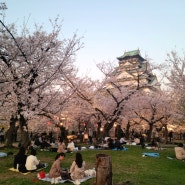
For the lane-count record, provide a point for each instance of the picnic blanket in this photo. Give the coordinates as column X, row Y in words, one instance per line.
column 15, row 170
column 2, row 154
column 90, row 174
column 168, row 157
column 150, row 154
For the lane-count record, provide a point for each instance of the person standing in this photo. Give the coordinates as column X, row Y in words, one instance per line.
column 90, row 133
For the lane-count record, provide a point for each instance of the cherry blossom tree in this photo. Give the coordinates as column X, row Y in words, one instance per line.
column 34, row 72
column 174, row 72
column 155, row 110
column 80, row 105
column 108, row 98
column 117, row 91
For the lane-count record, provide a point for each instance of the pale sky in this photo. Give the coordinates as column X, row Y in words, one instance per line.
column 109, row 27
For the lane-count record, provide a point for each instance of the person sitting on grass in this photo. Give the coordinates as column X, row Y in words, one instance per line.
column 61, row 146
column 57, row 172
column 20, row 160
column 32, row 163
column 118, row 145
column 110, row 143
column 77, row 169
column 123, row 141
column 180, row 152
column 70, row 146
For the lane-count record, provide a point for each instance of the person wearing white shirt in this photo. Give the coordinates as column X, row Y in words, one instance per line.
column 32, row 163
column 122, row 140
column 70, row 146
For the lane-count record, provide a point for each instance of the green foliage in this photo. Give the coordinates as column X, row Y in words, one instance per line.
column 128, row 167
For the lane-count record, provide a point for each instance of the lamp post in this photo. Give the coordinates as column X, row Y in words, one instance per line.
column 62, row 126
column 63, row 123
column 101, row 129
column 115, row 129
column 101, row 132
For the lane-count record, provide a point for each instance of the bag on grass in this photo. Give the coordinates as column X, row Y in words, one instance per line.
column 41, row 175
column 65, row 176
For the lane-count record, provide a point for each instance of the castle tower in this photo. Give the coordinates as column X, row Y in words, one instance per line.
column 134, row 69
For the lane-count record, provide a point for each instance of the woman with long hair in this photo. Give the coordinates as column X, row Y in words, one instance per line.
column 77, row 169
column 20, row 160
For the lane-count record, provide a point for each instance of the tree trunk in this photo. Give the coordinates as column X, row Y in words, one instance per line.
column 103, row 169
column 10, row 132
column 9, row 136
column 127, row 130
column 149, row 136
column 25, row 139
column 166, row 134
column 98, row 135
column 107, row 127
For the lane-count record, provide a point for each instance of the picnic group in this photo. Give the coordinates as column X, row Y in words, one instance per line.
column 26, row 159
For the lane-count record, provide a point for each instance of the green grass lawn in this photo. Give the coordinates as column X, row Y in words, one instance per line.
column 128, row 167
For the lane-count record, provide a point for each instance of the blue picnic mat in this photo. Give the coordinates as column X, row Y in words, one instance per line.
column 150, row 154
column 2, row 154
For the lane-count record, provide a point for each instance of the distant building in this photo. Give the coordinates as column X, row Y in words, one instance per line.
column 134, row 70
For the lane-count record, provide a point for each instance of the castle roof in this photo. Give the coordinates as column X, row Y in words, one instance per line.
column 131, row 54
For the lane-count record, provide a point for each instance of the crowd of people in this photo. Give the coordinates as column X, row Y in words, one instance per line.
column 119, row 143
column 44, row 142
column 26, row 161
